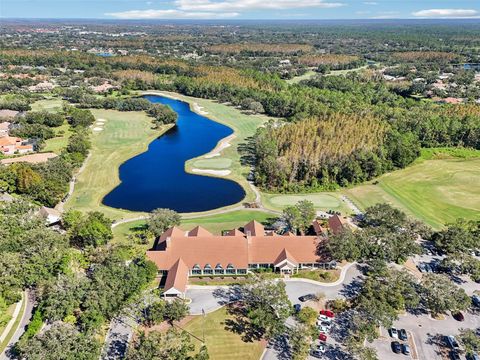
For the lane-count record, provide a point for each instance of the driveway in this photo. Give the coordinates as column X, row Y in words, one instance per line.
column 203, row 298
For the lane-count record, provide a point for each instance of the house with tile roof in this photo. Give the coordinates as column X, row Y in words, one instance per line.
column 179, row 254
column 10, row 145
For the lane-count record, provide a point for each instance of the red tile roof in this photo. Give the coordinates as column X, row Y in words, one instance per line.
column 199, row 231
column 177, row 277
column 337, row 223
column 254, row 228
column 285, row 255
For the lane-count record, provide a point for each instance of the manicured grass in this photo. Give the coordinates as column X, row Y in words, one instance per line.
column 60, row 141
column 14, row 327
column 434, row 191
column 215, row 223
column 325, row 276
column 213, row 163
column 221, row 343
column 322, row 201
column 50, row 105
column 308, row 75
column 9, row 312
column 125, row 135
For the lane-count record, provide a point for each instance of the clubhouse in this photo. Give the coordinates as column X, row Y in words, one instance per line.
column 179, row 254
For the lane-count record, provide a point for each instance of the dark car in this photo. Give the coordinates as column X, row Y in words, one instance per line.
column 454, row 355
column 297, row 307
column 473, row 357
column 405, row 349
column 402, row 335
column 459, row 316
column 307, row 297
column 396, row 347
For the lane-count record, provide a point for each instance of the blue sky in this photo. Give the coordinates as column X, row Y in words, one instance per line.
column 240, row 9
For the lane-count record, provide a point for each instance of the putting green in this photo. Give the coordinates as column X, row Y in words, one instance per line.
column 323, row 201
column 213, row 163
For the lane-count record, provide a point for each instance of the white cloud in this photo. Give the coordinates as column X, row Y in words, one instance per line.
column 248, row 5
column 370, row 3
column 446, row 13
column 171, row 14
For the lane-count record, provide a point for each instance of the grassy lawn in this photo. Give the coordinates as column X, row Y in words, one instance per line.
column 244, row 126
column 221, row 343
column 308, row 75
column 59, row 142
column 9, row 312
column 51, row 105
column 326, row 276
column 213, row 223
column 322, row 201
column 435, row 191
column 14, row 327
column 125, row 135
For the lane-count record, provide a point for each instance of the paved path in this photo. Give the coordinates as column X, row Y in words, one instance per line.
column 351, row 205
column 21, row 326
column 118, row 336
column 71, row 185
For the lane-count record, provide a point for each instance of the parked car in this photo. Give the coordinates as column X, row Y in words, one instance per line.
column 394, row 333
column 405, row 349
column 459, row 316
column 421, row 267
column 452, row 342
column 317, row 354
column 396, row 348
column 402, row 334
column 327, row 313
column 476, row 300
column 319, row 347
column 322, row 337
column 323, row 328
column 428, row 268
column 454, row 355
column 307, row 297
column 324, row 318
column 474, row 356
column 297, row 307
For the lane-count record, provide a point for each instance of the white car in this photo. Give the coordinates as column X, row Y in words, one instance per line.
column 394, row 333
column 322, row 328
column 324, row 318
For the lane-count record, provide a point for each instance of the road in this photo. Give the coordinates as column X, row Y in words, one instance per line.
column 118, row 337
column 27, row 315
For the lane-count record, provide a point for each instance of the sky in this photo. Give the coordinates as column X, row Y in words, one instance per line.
column 241, row 9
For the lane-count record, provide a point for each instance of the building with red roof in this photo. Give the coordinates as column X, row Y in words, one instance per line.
column 179, row 254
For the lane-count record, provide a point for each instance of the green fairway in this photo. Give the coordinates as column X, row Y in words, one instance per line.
column 60, row 141
column 214, row 223
column 50, row 105
column 322, row 201
column 434, row 191
column 307, row 76
column 222, row 344
column 125, row 135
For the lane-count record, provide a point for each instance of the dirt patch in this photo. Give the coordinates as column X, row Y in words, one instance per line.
column 225, row 143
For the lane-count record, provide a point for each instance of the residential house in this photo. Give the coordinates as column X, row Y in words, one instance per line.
column 4, row 128
column 337, row 224
column 50, row 215
column 10, row 145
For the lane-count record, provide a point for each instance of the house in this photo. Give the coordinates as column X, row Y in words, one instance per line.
column 50, row 215
column 4, row 127
column 102, row 88
column 452, row 100
column 337, row 224
column 42, row 87
column 10, row 145
column 179, row 254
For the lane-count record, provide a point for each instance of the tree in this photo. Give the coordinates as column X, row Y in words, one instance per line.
column 155, row 313
column 300, row 216
column 94, row 229
column 175, row 310
column 307, row 316
column 439, row 294
column 299, row 341
column 162, row 219
column 59, row 342
column 267, row 305
column 383, row 215
column 172, row 345
column 471, row 340
column 459, row 238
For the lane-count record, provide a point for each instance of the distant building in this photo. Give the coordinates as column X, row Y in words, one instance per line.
column 50, row 215
column 452, row 100
column 179, row 254
column 4, row 128
column 337, row 224
column 41, row 87
column 10, row 145
column 6, row 114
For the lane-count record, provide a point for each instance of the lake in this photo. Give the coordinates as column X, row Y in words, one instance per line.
column 157, row 177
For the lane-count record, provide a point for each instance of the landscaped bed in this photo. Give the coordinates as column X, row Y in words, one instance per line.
column 326, row 276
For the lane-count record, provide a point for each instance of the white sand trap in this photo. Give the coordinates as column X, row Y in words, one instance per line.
column 97, row 129
column 212, row 172
column 199, row 109
column 225, row 143
column 101, row 120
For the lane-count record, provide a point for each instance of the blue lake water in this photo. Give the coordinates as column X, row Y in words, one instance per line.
column 157, row 177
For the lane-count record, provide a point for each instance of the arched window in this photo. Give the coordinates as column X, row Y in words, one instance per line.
column 230, row 269
column 196, row 267
column 219, row 266
column 230, row 266
column 207, row 266
column 196, row 270
column 207, row 269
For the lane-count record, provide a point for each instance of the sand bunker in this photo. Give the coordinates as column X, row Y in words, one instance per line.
column 199, row 109
column 225, row 143
column 212, row 172
column 97, row 129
